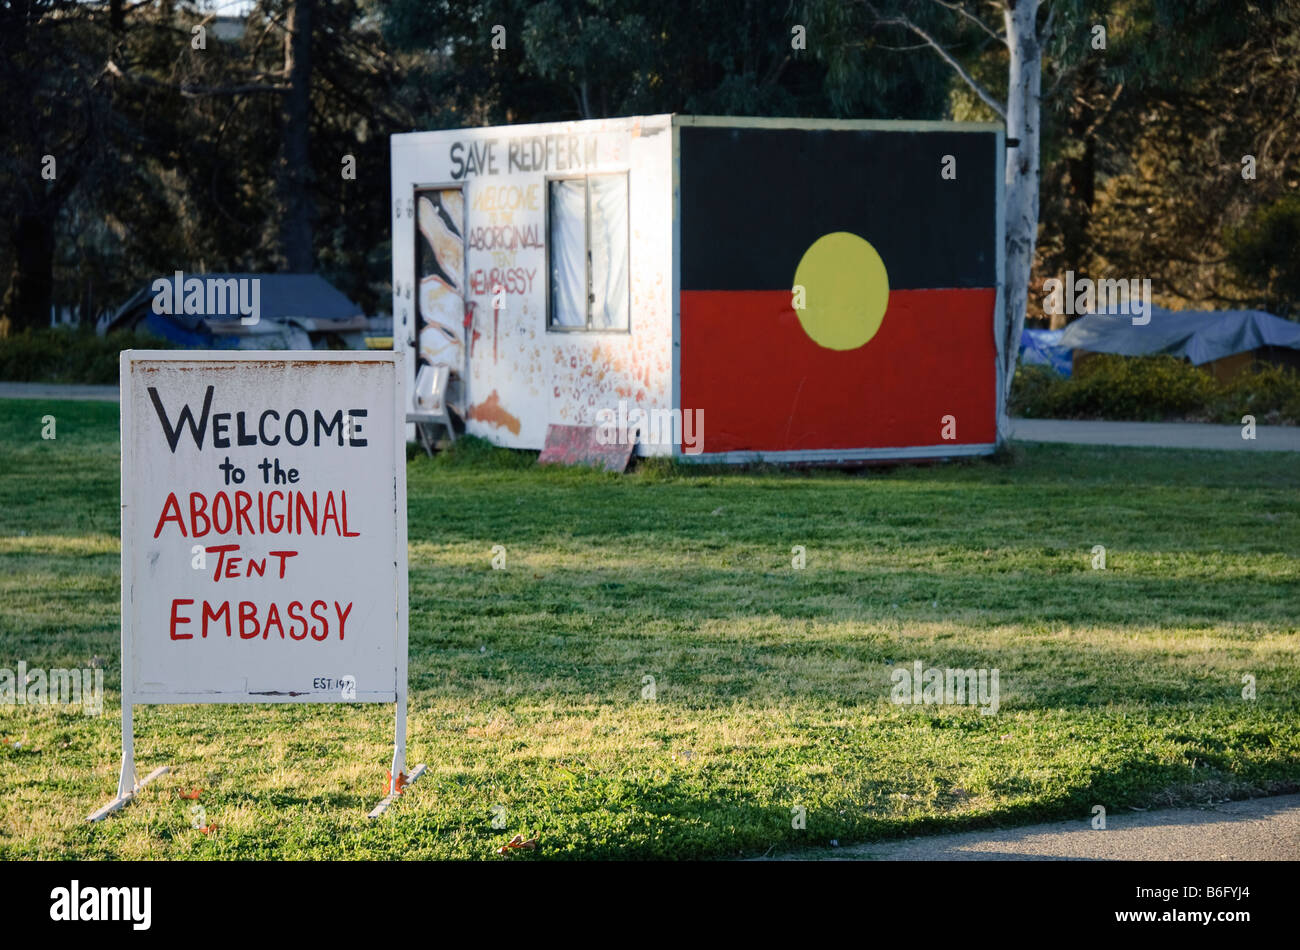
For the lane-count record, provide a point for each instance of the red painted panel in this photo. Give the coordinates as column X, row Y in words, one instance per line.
column 765, row 386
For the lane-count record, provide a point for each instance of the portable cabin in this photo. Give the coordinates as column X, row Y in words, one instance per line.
column 799, row 290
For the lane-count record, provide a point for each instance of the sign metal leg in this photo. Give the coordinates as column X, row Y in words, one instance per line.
column 398, row 779
column 127, row 784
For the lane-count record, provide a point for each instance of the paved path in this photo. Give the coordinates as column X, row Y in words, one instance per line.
column 1181, row 435
column 1258, row 829
column 1175, row 435
column 57, row 391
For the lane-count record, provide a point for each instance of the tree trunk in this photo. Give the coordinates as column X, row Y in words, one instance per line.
column 1023, row 102
column 297, row 209
column 31, row 282
column 584, row 99
column 1078, row 184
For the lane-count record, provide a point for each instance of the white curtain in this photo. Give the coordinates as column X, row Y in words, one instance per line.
column 609, row 253
column 568, row 239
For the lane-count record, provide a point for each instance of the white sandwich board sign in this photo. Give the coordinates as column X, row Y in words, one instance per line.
column 263, row 534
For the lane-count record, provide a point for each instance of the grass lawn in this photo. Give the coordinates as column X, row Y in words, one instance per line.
column 1120, row 687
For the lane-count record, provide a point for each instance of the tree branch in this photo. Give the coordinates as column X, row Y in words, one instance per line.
column 1101, row 117
column 1045, row 35
column 191, row 91
column 948, row 58
column 199, row 92
column 958, row 8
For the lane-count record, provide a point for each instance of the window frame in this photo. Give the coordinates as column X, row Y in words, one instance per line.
column 551, row 326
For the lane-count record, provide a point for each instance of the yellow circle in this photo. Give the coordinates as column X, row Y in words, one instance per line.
column 845, row 291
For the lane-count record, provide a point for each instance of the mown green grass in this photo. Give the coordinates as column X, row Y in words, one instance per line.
column 1119, row 687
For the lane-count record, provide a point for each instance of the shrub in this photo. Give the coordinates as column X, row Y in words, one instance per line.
column 1265, row 391
column 1263, row 253
column 1155, row 388
column 1033, row 391
column 67, row 355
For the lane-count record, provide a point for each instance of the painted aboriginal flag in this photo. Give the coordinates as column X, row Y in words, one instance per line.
column 837, row 289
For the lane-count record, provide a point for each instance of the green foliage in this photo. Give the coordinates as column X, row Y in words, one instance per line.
column 1269, row 393
column 1143, row 143
column 153, row 178
column 1265, row 252
column 878, row 72
column 1034, row 391
column 65, row 355
column 592, row 49
column 1155, row 388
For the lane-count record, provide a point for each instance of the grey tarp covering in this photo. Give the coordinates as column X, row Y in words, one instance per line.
column 1200, row 336
column 282, row 296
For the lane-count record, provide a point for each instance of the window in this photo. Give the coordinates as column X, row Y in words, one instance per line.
column 587, row 253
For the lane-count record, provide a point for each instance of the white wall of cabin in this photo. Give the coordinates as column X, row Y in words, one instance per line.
column 539, row 377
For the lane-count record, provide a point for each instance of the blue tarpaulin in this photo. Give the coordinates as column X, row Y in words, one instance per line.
column 289, row 305
column 1197, row 335
column 1043, row 348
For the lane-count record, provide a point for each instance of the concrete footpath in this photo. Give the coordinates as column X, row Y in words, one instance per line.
column 1257, row 829
column 58, row 391
column 1170, row 435
column 1176, row 435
